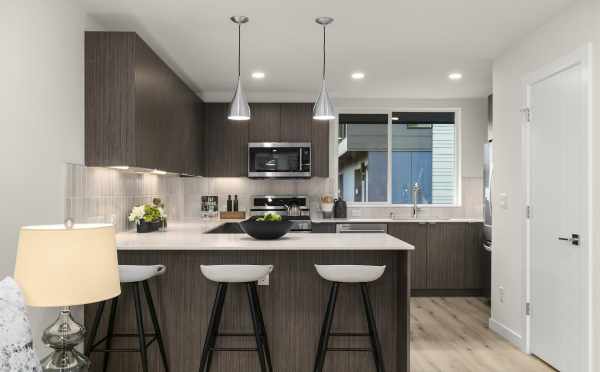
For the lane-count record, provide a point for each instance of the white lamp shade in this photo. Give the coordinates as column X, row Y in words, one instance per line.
column 323, row 109
column 239, row 109
column 57, row 266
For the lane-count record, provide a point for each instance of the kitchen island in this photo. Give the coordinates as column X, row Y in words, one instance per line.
column 293, row 302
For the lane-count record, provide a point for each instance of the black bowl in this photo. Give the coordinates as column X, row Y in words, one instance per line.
column 265, row 230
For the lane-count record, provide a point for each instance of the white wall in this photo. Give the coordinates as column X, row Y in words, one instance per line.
column 570, row 30
column 42, row 119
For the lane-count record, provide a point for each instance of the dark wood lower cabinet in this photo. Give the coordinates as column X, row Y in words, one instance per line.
column 448, row 259
column 415, row 234
column 446, row 256
column 293, row 306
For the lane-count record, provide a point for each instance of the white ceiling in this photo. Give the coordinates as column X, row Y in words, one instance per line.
column 406, row 48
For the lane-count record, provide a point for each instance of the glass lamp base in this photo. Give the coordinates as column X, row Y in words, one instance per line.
column 63, row 336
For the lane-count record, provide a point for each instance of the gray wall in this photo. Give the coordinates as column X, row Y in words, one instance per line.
column 42, row 114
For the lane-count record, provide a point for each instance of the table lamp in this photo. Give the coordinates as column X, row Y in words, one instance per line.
column 63, row 266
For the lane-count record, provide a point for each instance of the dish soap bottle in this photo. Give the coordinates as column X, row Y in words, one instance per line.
column 229, row 204
column 235, row 204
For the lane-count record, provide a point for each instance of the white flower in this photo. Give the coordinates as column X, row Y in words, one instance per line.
column 137, row 213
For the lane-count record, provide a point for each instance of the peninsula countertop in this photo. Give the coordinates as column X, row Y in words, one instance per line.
column 192, row 236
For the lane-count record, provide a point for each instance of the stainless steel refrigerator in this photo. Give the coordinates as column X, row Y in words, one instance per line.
column 488, row 171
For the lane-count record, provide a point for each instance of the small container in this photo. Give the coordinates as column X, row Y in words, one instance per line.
column 229, row 204
column 235, row 204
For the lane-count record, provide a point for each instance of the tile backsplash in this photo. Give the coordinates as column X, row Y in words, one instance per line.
column 107, row 195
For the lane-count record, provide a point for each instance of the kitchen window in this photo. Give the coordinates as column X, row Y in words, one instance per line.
column 381, row 157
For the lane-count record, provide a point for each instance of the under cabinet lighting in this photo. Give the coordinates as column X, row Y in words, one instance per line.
column 358, row 75
column 158, row 172
column 120, row 167
column 455, row 76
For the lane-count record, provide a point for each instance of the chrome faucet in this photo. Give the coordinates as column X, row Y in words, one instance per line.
column 416, row 188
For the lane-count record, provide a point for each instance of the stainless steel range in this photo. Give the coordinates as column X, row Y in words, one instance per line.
column 293, row 208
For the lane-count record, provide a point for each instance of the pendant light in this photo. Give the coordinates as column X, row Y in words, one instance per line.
column 239, row 108
column 323, row 109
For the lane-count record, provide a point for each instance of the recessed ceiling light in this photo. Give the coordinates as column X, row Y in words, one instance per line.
column 455, row 76
column 358, row 75
column 258, row 75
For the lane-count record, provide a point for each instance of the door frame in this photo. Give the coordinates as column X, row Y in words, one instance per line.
column 582, row 57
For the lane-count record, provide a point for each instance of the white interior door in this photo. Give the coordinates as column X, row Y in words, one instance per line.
column 558, row 195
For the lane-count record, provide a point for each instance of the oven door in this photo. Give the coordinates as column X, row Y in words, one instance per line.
column 275, row 159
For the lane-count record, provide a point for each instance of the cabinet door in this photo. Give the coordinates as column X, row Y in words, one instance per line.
column 296, row 122
column 415, row 234
column 265, row 123
column 323, row 228
column 474, row 257
column 320, row 148
column 446, row 256
column 226, row 143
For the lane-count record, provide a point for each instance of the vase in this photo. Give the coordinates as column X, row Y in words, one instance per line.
column 146, row 227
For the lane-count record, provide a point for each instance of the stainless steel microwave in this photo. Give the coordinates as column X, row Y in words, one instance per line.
column 279, row 160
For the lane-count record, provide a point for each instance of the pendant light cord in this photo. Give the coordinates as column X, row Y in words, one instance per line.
column 239, row 50
column 324, row 51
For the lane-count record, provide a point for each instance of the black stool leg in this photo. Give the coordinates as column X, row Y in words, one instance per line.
column 140, row 326
column 263, row 329
column 373, row 335
column 150, row 303
column 94, row 330
column 326, row 329
column 213, row 328
column 256, row 325
column 109, row 332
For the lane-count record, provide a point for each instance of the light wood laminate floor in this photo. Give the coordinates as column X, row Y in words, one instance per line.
column 451, row 335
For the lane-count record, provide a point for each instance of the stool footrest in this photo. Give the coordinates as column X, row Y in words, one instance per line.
column 232, row 349
column 347, row 334
column 349, row 349
column 233, row 334
column 94, row 349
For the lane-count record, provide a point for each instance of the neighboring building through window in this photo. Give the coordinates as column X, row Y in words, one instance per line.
column 423, row 152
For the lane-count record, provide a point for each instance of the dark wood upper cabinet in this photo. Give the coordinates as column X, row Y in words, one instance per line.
column 265, row 123
column 138, row 112
column 320, row 148
column 226, row 150
column 296, row 122
column 226, row 142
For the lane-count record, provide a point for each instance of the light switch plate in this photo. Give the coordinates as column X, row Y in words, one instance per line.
column 264, row 281
column 503, row 200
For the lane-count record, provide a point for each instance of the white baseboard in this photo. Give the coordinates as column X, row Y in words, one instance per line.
column 507, row 333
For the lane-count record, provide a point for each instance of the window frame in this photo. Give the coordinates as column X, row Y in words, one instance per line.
column 388, row 203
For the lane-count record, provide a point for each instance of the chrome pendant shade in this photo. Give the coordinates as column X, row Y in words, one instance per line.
column 239, row 109
column 324, row 109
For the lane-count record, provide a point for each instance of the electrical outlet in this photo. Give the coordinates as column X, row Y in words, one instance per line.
column 501, row 293
column 503, row 200
column 356, row 213
column 264, row 281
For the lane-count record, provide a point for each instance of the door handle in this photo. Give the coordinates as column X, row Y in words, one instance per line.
column 574, row 239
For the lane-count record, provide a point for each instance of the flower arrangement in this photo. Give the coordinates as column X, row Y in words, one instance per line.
column 148, row 213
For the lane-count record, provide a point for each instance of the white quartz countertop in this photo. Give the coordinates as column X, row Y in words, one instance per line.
column 192, row 236
column 392, row 220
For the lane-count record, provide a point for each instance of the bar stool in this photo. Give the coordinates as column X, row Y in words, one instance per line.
column 131, row 276
column 354, row 274
column 247, row 275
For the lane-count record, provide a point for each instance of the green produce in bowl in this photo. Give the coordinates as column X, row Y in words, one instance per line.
column 269, row 217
